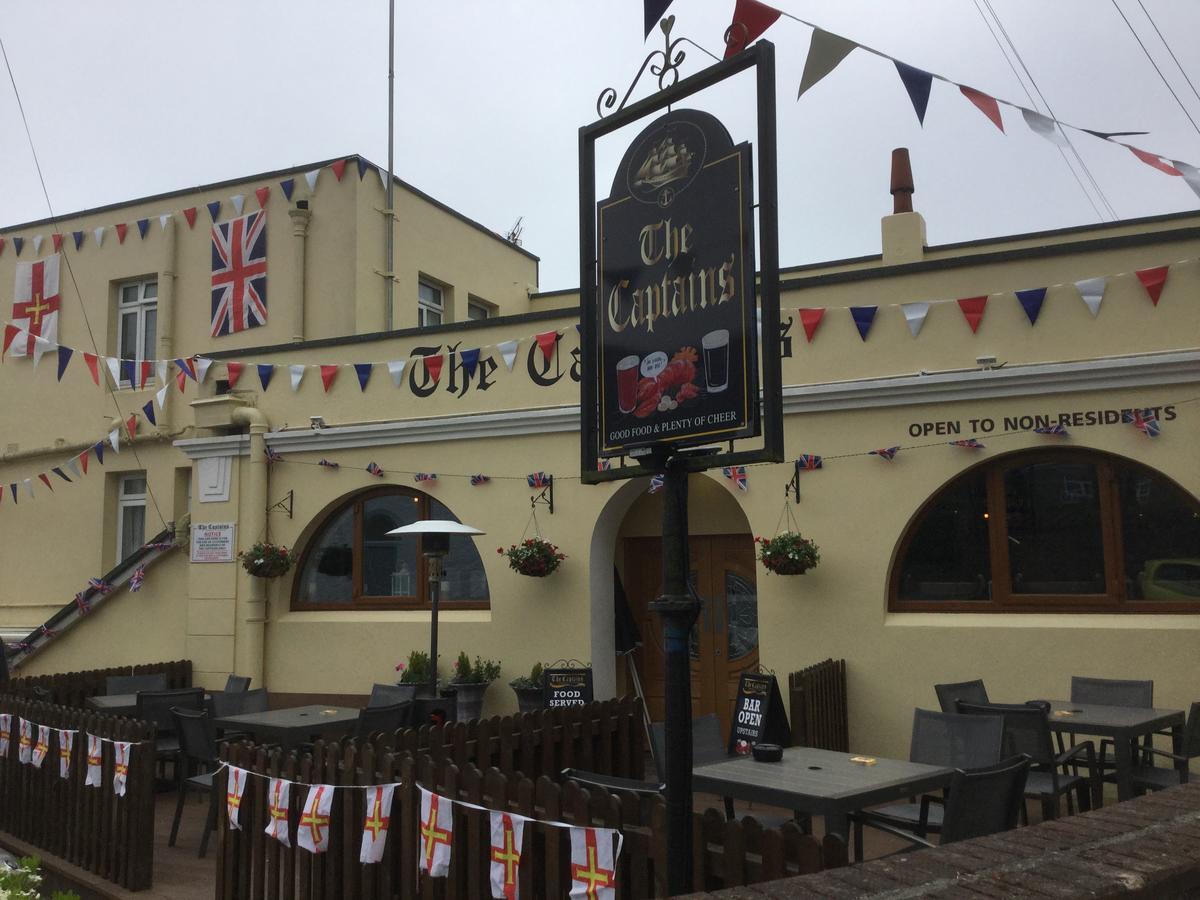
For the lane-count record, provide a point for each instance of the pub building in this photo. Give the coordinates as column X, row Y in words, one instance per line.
column 1018, row 556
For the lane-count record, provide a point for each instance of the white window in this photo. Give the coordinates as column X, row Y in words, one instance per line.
column 137, row 326
column 478, row 310
column 429, row 304
column 131, row 514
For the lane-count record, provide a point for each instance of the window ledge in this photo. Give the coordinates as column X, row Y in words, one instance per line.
column 382, row 616
column 1045, row 621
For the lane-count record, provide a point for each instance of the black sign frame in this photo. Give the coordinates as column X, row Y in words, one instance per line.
column 761, row 57
column 761, row 690
column 567, row 677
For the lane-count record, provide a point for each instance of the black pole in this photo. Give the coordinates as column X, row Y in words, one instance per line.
column 434, row 563
column 678, row 610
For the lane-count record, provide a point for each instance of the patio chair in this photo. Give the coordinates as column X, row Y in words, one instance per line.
column 1027, row 731
column 236, row 684
column 156, row 706
column 1115, row 692
column 236, row 704
column 198, row 758
column 970, row 691
column 939, row 739
column 1146, row 777
column 133, row 684
column 388, row 694
column 978, row 802
column 386, row 719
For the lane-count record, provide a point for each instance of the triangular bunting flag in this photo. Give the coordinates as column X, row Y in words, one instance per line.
column 10, row 333
column 1155, row 162
column 114, row 369
column 190, row 215
column 37, row 244
column 143, row 225
column 363, row 165
column 45, row 479
column 914, row 315
column 98, row 234
column 181, row 379
column 328, row 373
column 1044, row 127
column 56, row 239
column 145, row 367
column 114, row 438
column 986, row 104
column 863, row 317
column 160, row 397
column 148, row 412
column 297, row 373
column 1091, row 291
column 129, row 372
column 233, row 372
column 885, row 453
column 811, row 320
column 64, row 358
column 186, row 367
column 77, row 236
column 287, row 186
column 73, row 464
column 91, row 361
column 160, row 370
column 41, row 346
column 469, row 360
column 433, row 365
column 311, row 178
column 202, row 365
column 339, row 168
column 131, row 424
column 972, row 309
column 98, row 447
column 825, row 51
column 508, row 352
column 396, row 370
column 122, row 228
column 653, row 10
column 363, row 371
column 1, row 253
column 917, row 83
column 750, row 20
column 238, row 201
column 214, row 209
column 1190, row 174
column 19, row 243
column 261, row 194
column 163, row 220
column 1031, row 301
column 265, row 371
column 1153, row 280
column 546, row 341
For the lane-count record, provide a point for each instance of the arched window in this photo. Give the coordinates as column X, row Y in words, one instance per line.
column 352, row 563
column 1050, row 531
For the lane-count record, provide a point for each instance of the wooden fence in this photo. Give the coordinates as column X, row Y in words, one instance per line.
column 252, row 865
column 820, row 717
column 73, row 688
column 91, row 827
column 605, row 736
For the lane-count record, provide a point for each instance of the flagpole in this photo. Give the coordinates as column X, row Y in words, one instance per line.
column 389, row 214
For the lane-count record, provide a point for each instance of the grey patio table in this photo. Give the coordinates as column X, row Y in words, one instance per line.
column 289, row 727
column 819, row 782
column 120, row 704
column 1124, row 724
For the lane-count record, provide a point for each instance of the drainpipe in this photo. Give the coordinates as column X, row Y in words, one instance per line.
column 250, row 614
column 300, row 216
column 166, row 316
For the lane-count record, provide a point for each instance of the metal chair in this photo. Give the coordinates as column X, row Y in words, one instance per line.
column 978, row 802
column 236, row 704
column 1112, row 692
column 1027, row 731
column 134, row 684
column 388, row 694
column 236, row 684
column 386, row 719
column 1146, row 777
column 939, row 739
column 970, row 691
column 156, row 707
column 198, row 758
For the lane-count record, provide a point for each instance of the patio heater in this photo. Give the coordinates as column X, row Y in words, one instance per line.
column 435, row 544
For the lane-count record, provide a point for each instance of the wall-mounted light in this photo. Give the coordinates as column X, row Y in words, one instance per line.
column 316, row 423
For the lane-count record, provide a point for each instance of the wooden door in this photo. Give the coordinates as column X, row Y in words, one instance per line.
column 724, row 641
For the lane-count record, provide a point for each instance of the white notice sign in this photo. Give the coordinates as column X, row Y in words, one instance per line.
column 212, row 542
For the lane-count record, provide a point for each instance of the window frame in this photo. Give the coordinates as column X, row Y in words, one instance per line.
column 131, row 501
column 478, row 303
column 359, row 601
column 424, row 306
column 137, row 308
column 1114, row 600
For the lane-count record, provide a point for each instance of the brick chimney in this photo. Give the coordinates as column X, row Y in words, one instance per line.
column 903, row 230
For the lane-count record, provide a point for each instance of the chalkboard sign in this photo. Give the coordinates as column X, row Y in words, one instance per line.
column 758, row 715
column 566, row 687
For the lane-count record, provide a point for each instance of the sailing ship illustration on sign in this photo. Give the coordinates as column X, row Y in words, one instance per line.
column 666, row 163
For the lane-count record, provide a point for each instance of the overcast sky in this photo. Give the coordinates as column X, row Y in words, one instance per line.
column 129, row 98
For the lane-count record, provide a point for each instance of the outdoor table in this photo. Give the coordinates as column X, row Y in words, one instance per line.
column 1124, row 724
column 820, row 782
column 290, row 727
column 120, row 704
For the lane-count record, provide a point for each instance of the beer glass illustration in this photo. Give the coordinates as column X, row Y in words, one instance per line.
column 627, row 380
column 715, row 345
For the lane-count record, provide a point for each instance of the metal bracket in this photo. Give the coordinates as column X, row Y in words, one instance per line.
column 667, row 70
column 390, row 275
column 545, row 496
column 285, row 504
column 793, row 485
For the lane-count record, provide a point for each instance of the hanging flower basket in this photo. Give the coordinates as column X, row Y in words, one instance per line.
column 534, row 556
column 266, row 560
column 788, row 553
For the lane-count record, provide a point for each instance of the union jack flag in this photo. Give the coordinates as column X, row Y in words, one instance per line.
column 136, row 579
column 273, row 455
column 1146, row 421
column 1055, row 430
column 969, row 443
column 82, row 604
column 737, row 474
column 99, row 585
column 538, row 479
column 809, row 461
column 887, row 453
column 656, row 484
column 47, row 632
column 239, row 274
column 374, row 469
column 604, row 465
column 424, row 476
column 477, row 480
column 327, row 464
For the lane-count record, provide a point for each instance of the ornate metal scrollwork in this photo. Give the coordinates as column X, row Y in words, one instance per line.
column 667, row 70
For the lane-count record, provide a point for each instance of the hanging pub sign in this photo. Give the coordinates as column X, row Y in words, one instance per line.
column 758, row 715
column 566, row 687
column 670, row 333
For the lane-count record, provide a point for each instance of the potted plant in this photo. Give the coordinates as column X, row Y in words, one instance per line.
column 414, row 674
column 788, row 553
column 469, row 683
column 266, row 560
column 528, row 689
column 534, row 556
